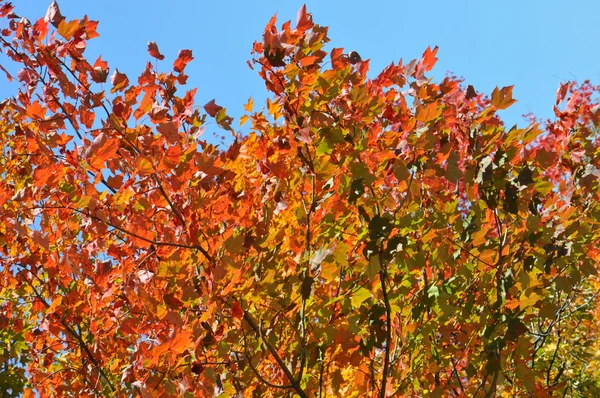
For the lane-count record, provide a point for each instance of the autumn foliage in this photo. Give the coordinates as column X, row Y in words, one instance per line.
column 384, row 236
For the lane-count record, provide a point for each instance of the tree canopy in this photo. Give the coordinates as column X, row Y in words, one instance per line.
column 386, row 236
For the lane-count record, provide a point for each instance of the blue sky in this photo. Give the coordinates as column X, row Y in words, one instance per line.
column 532, row 44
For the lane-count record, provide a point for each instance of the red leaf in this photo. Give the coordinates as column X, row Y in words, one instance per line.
column 119, row 109
column 309, row 60
column 304, row 19
column 153, row 50
column 158, row 114
column 172, row 301
column 211, row 108
column 574, row 102
column 337, row 60
column 90, row 28
column 184, row 57
column 5, row 9
column 561, row 92
column 236, row 310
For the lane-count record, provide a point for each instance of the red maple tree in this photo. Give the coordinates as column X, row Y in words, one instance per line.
column 369, row 237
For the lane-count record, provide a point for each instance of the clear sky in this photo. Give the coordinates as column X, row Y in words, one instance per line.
column 533, row 44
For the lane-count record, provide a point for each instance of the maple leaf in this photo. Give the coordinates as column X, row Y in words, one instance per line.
column 470, row 92
column 236, row 310
column 154, row 52
column 53, row 14
column 102, row 149
column 119, row 81
column 169, row 130
column 561, row 92
column 184, row 57
column 5, row 9
column 211, row 108
column 304, row 19
column 28, row 76
column 502, row 99
column 68, row 29
column 100, row 71
column 429, row 58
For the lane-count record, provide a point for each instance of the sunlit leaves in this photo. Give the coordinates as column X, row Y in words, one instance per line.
column 364, row 231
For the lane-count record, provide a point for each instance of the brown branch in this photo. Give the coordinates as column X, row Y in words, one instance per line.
column 321, row 371
column 307, row 274
column 388, row 332
column 256, row 372
column 295, row 385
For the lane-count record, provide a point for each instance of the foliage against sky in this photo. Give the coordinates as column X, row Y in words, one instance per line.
column 369, row 237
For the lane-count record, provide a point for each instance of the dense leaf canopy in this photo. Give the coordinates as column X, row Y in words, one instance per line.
column 384, row 236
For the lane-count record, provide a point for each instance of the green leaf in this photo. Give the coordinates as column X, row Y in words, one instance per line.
column 360, row 296
column 324, row 148
column 544, row 187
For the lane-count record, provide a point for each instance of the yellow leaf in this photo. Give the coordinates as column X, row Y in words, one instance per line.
column 249, row 105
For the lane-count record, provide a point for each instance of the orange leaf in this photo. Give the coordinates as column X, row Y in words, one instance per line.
column 184, row 57
column 68, row 29
column 304, row 19
column 429, row 58
column 119, row 81
column 306, row 61
column 102, row 149
column 502, row 99
column 428, row 112
column 169, row 130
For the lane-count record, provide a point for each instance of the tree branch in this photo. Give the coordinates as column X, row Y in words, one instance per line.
column 295, row 385
column 388, row 332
